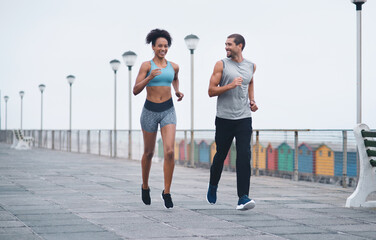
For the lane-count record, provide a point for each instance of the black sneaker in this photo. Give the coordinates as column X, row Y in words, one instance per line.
column 211, row 196
column 167, row 200
column 145, row 194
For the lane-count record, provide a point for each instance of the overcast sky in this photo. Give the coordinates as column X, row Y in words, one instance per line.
column 305, row 52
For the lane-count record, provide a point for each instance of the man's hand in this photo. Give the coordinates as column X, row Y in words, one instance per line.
column 253, row 106
column 236, row 82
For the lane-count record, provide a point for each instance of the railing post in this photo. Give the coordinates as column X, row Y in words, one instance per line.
column 40, row 139
column 192, row 149
column 60, row 140
column 110, row 139
column 33, row 135
column 78, row 141
column 53, row 139
column 257, row 173
column 130, row 144
column 296, row 157
column 70, row 140
column 344, row 167
column 185, row 147
column 44, row 138
column 115, row 143
column 99, row 142
column 88, row 142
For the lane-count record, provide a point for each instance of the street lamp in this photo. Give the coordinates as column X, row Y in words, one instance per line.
column 115, row 64
column 22, row 93
column 6, row 98
column 129, row 60
column 192, row 41
column 70, row 79
column 358, row 4
column 41, row 88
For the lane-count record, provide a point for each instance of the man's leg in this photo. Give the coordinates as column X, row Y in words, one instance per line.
column 243, row 155
column 223, row 139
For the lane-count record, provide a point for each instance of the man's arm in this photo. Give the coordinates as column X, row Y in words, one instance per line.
column 214, row 89
column 251, row 93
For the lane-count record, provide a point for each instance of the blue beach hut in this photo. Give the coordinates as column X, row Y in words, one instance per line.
column 204, row 152
column 305, row 156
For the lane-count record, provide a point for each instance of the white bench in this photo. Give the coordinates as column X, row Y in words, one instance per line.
column 366, row 142
column 20, row 141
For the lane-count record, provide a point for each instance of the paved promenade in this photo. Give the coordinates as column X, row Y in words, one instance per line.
column 48, row 194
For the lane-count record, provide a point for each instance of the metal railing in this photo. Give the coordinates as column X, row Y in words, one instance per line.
column 327, row 156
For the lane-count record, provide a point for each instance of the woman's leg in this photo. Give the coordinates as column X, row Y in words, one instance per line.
column 149, row 145
column 168, row 138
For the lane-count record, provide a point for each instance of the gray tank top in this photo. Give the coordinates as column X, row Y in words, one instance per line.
column 234, row 103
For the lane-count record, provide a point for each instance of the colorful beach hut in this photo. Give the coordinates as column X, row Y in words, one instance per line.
column 324, row 160
column 305, row 156
column 351, row 161
column 285, row 158
column 261, row 151
column 272, row 157
column 204, row 152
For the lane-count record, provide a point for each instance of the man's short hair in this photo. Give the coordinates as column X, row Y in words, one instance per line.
column 238, row 39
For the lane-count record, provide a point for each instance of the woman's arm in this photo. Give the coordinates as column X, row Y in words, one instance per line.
column 142, row 80
column 175, row 82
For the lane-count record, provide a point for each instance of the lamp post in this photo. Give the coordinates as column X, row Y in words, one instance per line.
column 358, row 4
column 41, row 88
column 22, row 93
column 129, row 60
column 6, row 98
column 192, row 41
column 115, row 64
column 70, row 79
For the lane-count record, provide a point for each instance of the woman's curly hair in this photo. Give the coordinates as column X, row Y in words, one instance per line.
column 157, row 33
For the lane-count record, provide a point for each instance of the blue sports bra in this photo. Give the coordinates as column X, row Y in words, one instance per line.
column 163, row 79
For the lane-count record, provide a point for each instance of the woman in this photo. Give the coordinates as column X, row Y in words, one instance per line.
column 157, row 76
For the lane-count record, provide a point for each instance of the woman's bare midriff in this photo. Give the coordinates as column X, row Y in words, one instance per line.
column 158, row 94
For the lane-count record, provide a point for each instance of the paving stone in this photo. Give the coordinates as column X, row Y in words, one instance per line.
column 364, row 234
column 353, row 228
column 291, row 230
column 5, row 224
column 326, row 236
column 19, row 236
column 81, row 236
column 76, row 228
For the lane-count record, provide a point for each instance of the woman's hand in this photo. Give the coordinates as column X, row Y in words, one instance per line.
column 155, row 72
column 180, row 95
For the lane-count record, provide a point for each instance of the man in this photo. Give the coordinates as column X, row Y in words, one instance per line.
column 232, row 82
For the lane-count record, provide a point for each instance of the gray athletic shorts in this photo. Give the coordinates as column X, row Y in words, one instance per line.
column 157, row 113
